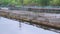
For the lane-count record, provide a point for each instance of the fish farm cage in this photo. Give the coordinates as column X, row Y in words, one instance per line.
column 38, row 6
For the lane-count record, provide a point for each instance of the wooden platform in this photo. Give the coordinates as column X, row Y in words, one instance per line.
column 31, row 17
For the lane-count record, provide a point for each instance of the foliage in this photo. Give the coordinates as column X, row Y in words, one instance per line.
column 30, row 2
column 55, row 2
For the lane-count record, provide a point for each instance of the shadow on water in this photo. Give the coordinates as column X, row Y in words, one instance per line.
column 41, row 26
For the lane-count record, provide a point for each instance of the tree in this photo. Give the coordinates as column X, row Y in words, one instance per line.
column 10, row 2
column 55, row 2
column 44, row 2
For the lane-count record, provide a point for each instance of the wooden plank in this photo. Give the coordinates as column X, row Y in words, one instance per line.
column 30, row 17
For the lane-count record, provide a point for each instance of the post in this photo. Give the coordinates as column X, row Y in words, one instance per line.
column 20, row 25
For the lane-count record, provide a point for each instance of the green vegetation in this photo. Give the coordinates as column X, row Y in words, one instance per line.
column 30, row 2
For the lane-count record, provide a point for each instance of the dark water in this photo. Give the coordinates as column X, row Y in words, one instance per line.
column 8, row 26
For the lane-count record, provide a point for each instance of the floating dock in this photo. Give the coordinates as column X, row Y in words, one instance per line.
column 46, row 19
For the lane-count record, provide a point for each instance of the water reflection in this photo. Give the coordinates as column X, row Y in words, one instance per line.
column 8, row 26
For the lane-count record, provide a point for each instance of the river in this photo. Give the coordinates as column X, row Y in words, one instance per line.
column 8, row 26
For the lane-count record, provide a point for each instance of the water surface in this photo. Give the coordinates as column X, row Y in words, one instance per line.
column 8, row 26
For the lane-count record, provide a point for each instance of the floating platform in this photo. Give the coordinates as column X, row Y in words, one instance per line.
column 46, row 19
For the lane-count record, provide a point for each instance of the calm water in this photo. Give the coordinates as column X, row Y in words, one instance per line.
column 8, row 26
